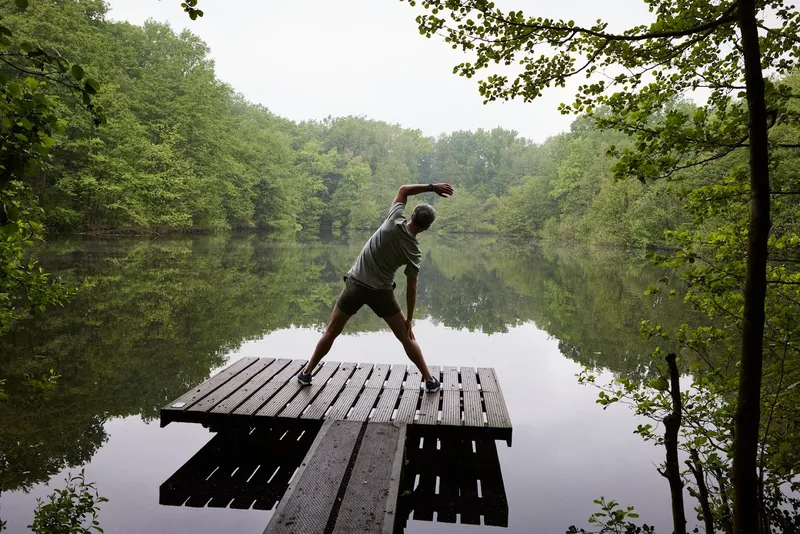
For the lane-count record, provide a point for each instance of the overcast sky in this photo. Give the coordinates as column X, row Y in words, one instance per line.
column 308, row 59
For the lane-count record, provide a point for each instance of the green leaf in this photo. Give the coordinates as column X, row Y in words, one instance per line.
column 92, row 86
column 15, row 90
column 77, row 72
column 26, row 47
column 659, row 383
column 22, row 4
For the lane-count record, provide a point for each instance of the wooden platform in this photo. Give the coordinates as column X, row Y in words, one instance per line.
column 255, row 391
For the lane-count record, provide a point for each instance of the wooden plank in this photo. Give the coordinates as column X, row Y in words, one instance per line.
column 312, row 495
column 293, row 388
column 473, row 410
column 450, row 378
column 413, row 379
column 230, row 387
column 266, row 392
column 348, row 396
column 407, row 409
column 488, row 379
column 241, row 394
column 469, row 381
column 378, row 376
column 330, row 392
column 188, row 399
column 429, row 404
column 390, row 515
column 307, row 394
column 429, row 408
column 386, row 405
column 496, row 412
column 364, row 405
column 365, row 502
column 451, row 407
column 366, row 401
column 396, row 377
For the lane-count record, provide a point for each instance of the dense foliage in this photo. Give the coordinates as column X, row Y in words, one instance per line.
column 740, row 253
column 181, row 150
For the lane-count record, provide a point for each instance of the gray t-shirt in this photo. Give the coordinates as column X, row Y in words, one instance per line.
column 391, row 246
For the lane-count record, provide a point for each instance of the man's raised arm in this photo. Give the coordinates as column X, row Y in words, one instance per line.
column 405, row 191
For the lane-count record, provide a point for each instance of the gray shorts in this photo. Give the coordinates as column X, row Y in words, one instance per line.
column 355, row 295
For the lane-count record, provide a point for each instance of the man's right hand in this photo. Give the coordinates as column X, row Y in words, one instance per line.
column 443, row 190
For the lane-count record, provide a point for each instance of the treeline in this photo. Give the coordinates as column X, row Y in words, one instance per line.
column 182, row 150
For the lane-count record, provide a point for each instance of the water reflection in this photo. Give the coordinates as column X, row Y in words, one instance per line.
column 243, row 469
column 455, row 478
column 446, row 478
column 161, row 314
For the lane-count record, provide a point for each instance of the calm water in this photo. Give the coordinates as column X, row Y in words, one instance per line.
column 161, row 315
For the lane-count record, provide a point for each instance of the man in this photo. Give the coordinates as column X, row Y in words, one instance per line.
column 370, row 280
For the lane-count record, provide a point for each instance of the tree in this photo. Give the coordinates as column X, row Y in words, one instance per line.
column 690, row 45
column 29, row 121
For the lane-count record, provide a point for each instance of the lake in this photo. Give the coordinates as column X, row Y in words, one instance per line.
column 160, row 315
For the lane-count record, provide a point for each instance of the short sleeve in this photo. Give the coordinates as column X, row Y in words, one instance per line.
column 397, row 212
column 412, row 267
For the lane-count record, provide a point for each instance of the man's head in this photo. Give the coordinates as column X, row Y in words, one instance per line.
column 423, row 216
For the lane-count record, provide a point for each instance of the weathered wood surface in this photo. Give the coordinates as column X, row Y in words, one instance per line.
column 254, row 390
column 348, row 483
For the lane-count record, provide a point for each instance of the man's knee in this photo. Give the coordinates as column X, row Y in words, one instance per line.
column 332, row 332
column 401, row 337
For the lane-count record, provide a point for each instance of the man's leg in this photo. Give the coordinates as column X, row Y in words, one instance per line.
column 334, row 328
column 397, row 323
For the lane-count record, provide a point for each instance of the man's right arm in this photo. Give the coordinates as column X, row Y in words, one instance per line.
column 405, row 191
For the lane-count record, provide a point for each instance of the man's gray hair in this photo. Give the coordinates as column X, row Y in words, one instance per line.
column 423, row 216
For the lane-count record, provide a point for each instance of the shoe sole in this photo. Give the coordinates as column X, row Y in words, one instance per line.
column 432, row 390
column 303, row 383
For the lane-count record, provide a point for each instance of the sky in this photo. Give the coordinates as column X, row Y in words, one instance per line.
column 310, row 59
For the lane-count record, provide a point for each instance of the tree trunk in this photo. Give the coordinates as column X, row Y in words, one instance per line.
column 748, row 408
column 727, row 524
column 702, row 490
column 672, row 472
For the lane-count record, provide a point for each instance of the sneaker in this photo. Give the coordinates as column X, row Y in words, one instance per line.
column 304, row 378
column 432, row 386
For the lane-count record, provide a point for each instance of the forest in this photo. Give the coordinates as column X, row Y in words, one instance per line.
column 181, row 150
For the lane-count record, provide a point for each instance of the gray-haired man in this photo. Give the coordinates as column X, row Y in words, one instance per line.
column 370, row 280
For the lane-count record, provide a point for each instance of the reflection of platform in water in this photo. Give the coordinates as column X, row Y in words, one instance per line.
column 458, row 479
column 240, row 470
